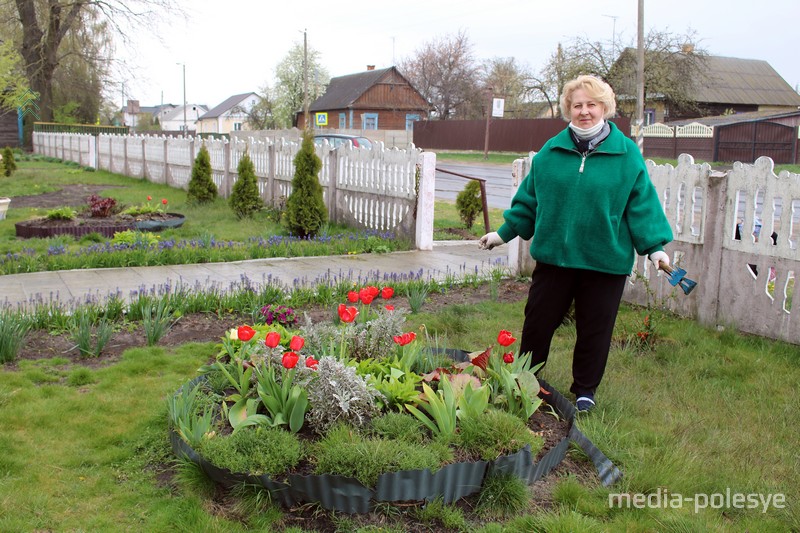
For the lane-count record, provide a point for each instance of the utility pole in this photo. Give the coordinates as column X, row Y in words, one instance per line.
column 305, row 80
column 185, row 128
column 640, row 80
column 490, row 96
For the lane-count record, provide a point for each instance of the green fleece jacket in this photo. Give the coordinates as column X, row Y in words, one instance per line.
column 591, row 212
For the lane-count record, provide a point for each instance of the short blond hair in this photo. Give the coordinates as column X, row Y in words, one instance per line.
column 596, row 88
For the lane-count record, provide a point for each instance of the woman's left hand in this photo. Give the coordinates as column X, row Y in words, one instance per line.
column 658, row 258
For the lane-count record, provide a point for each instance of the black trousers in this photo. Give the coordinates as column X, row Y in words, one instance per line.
column 596, row 295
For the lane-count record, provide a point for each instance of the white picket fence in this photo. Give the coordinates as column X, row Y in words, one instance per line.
column 374, row 189
column 746, row 283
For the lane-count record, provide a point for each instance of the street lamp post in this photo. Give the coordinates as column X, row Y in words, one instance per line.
column 185, row 127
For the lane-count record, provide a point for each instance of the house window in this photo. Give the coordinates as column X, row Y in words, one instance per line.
column 237, row 126
column 649, row 116
column 342, row 121
column 370, row 121
column 410, row 120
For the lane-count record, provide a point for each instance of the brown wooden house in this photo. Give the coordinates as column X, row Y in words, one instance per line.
column 381, row 99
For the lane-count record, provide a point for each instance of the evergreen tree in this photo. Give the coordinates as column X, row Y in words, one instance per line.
column 245, row 200
column 202, row 188
column 305, row 207
column 8, row 163
column 469, row 203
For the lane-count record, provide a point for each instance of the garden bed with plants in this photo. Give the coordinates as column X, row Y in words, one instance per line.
column 355, row 412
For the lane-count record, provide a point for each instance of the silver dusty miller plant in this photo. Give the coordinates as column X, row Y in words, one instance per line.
column 364, row 340
column 337, row 393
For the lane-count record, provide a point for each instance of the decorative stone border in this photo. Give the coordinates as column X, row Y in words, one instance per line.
column 451, row 482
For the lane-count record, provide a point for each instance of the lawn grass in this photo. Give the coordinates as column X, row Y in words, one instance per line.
column 704, row 412
column 447, row 217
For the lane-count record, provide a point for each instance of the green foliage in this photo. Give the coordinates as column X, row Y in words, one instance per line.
column 245, row 200
column 184, row 417
column 305, row 208
column 135, row 239
column 202, row 188
column 80, row 376
column 89, row 338
column 400, row 426
column 502, row 495
column 469, row 203
column 8, row 165
column 156, row 320
column 286, row 402
column 13, row 328
column 440, row 409
column 61, row 213
column 258, row 451
column 417, row 294
column 496, row 433
column 343, row 451
column 450, row 516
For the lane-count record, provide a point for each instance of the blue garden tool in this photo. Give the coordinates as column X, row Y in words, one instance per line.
column 677, row 276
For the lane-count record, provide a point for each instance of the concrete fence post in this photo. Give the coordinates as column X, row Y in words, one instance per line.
column 520, row 261
column 426, row 162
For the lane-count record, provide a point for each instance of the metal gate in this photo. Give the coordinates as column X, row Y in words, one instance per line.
column 748, row 141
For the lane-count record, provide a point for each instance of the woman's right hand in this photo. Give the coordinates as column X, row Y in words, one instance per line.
column 490, row 240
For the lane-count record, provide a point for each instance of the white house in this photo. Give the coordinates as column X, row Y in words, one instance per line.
column 175, row 120
column 230, row 115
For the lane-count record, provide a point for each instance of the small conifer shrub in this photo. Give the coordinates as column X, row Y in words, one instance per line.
column 202, row 188
column 305, row 208
column 245, row 200
column 468, row 203
column 8, row 163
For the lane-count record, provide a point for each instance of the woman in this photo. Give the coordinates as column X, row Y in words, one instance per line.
column 588, row 205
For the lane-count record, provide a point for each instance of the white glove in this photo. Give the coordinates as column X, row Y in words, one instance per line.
column 659, row 257
column 490, row 240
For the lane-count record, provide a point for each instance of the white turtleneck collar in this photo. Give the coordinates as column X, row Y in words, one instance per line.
column 588, row 133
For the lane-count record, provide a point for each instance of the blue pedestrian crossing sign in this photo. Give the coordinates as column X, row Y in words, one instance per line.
column 321, row 119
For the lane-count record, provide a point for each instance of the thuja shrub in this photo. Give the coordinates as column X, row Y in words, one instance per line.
column 8, row 163
column 305, row 208
column 202, row 188
column 245, row 200
column 469, row 204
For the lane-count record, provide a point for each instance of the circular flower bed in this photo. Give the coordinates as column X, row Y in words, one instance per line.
column 359, row 411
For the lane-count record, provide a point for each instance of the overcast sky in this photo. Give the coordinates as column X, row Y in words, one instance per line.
column 233, row 46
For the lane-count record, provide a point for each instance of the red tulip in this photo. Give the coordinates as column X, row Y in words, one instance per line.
column 273, row 339
column 149, row 198
column 508, row 358
column 311, row 362
column 366, row 295
column 505, row 338
column 352, row 297
column 347, row 314
column 296, row 343
column 387, row 292
column 372, row 290
column 290, row 359
column 164, row 201
column 389, row 307
column 405, row 338
column 245, row 333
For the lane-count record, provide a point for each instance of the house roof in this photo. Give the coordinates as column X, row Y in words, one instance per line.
column 720, row 120
column 343, row 91
column 176, row 113
column 227, row 105
column 732, row 80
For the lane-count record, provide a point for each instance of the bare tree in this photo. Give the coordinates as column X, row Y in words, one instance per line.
column 261, row 115
column 445, row 73
column 671, row 68
column 45, row 24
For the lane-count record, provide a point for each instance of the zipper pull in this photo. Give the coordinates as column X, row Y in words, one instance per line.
column 583, row 160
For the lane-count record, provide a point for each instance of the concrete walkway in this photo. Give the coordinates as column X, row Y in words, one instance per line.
column 447, row 260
